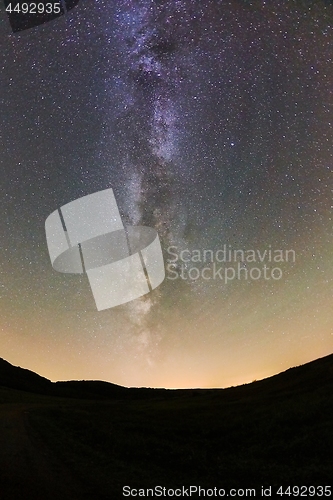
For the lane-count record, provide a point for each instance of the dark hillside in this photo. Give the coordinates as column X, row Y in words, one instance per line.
column 56, row 443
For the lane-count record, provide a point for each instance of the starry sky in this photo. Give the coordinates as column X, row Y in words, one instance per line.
column 212, row 122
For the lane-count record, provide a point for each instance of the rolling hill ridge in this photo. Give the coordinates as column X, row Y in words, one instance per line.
column 88, row 439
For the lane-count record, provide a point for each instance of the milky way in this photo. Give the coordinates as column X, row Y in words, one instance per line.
column 149, row 127
column 153, row 50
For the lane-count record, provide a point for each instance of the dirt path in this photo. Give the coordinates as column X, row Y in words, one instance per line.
column 28, row 469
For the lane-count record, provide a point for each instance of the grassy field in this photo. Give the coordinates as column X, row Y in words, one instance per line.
column 270, row 433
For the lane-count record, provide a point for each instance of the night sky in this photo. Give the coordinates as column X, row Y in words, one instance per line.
column 212, row 122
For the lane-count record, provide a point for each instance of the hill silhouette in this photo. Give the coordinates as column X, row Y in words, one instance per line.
column 304, row 378
column 88, row 439
column 15, row 377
